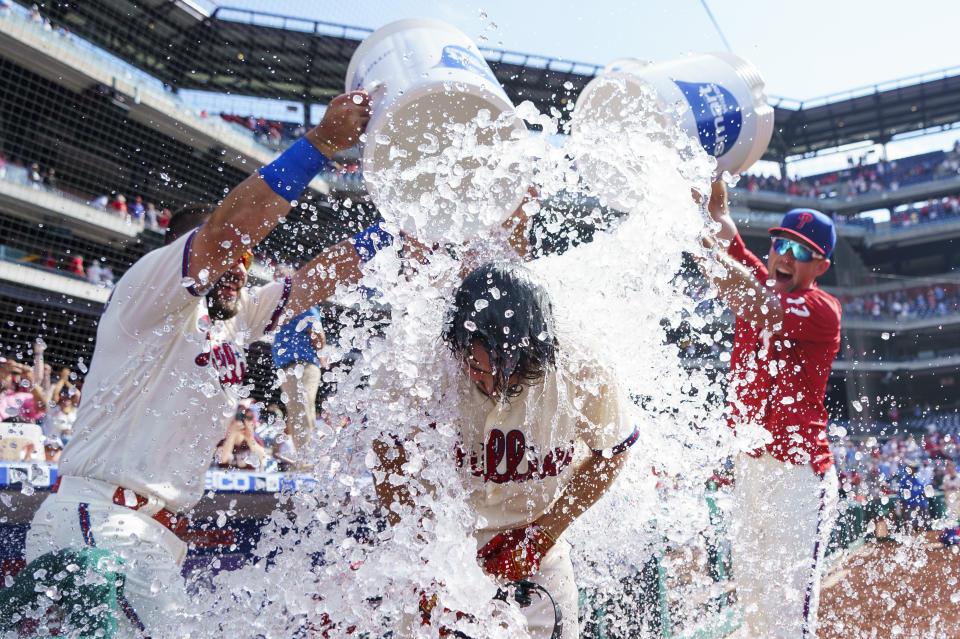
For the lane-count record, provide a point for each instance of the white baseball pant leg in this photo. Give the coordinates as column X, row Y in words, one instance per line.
column 301, row 403
column 782, row 519
column 556, row 576
column 82, row 514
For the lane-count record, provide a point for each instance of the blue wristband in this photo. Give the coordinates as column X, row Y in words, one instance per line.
column 371, row 240
column 290, row 173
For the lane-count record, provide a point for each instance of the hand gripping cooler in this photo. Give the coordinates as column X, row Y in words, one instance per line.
column 428, row 83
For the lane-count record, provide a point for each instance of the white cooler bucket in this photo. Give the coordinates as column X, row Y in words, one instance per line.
column 721, row 102
column 434, row 100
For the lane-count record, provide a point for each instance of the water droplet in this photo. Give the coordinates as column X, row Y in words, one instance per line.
column 358, row 99
column 81, row 365
column 481, row 304
column 508, row 312
column 470, row 326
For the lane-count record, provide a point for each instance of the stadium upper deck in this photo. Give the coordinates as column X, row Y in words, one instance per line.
column 276, row 56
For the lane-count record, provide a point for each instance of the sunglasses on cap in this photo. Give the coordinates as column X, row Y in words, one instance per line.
column 800, row 252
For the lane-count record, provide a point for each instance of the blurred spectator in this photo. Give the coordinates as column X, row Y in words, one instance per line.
column 99, row 273
column 918, row 302
column 285, row 452
column 913, row 498
column 20, row 398
column 106, row 275
column 152, row 216
column 951, row 492
column 241, row 448
column 101, row 202
column 76, row 266
column 36, row 179
column 62, row 413
column 94, row 272
column 52, row 447
column 136, row 209
column 118, row 205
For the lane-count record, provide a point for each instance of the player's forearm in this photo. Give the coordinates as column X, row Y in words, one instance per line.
column 319, row 278
column 592, row 479
column 742, row 292
column 248, row 213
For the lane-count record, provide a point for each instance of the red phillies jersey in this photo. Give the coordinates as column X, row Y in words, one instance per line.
column 779, row 379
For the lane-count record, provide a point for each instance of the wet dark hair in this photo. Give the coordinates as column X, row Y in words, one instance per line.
column 186, row 219
column 508, row 312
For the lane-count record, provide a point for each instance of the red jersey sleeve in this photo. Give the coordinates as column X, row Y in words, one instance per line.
column 739, row 251
column 810, row 315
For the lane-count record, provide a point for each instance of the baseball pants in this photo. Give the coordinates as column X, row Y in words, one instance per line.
column 301, row 402
column 782, row 518
column 82, row 513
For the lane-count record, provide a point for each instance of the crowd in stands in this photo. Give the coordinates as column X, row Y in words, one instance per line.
column 269, row 132
column 34, row 394
column 861, row 177
column 905, row 471
column 933, row 300
column 932, row 210
column 44, row 178
column 257, row 438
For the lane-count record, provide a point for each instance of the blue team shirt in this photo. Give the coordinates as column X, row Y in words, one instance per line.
column 291, row 345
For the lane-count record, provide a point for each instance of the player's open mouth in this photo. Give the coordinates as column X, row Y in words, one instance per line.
column 783, row 277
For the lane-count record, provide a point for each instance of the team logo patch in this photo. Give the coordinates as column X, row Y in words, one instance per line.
column 717, row 112
column 797, row 306
column 804, row 219
column 507, row 458
column 457, row 57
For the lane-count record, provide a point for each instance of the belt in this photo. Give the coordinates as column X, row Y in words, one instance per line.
column 129, row 499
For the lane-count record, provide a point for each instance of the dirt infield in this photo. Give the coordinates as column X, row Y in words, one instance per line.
column 893, row 590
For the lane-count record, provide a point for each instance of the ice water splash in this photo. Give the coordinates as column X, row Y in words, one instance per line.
column 327, row 561
column 448, row 179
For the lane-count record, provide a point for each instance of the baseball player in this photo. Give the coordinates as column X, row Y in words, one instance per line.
column 525, row 401
column 295, row 347
column 169, row 365
column 785, row 494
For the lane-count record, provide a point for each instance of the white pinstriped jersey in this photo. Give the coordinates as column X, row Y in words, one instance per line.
column 518, row 454
column 163, row 379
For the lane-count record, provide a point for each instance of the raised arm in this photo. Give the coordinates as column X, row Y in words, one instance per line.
column 254, row 207
column 739, row 288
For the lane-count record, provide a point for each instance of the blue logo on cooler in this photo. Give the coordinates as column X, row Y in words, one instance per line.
column 718, row 115
column 457, row 57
